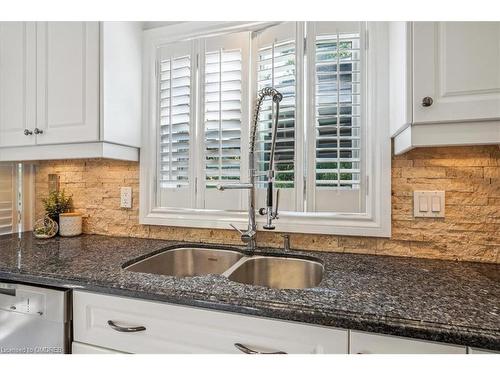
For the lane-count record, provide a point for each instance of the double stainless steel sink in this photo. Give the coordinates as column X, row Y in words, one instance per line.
column 271, row 271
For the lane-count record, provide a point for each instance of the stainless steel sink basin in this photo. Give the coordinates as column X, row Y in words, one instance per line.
column 187, row 261
column 278, row 272
column 270, row 271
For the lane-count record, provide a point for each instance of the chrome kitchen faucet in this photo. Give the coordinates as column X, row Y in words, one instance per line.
column 271, row 209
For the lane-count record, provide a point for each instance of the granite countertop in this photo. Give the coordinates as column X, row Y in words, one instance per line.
column 453, row 302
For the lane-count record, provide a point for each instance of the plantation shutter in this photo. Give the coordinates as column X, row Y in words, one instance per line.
column 224, row 89
column 336, row 119
column 7, row 199
column 276, row 66
column 176, row 73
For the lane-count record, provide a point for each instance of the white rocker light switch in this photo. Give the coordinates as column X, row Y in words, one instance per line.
column 428, row 204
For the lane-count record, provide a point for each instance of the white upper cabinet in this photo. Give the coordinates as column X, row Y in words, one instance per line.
column 67, row 82
column 17, row 83
column 457, row 64
column 445, row 83
column 71, row 89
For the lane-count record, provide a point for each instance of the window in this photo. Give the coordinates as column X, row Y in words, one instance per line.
column 332, row 150
column 175, row 77
column 276, row 66
column 337, row 120
column 16, row 190
column 7, row 199
column 224, row 119
column 175, row 82
column 337, row 111
column 201, row 118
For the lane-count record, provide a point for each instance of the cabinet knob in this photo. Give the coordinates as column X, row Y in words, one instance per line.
column 427, row 101
column 38, row 131
column 27, row 132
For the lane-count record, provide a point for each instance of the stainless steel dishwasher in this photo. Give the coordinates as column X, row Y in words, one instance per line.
column 34, row 319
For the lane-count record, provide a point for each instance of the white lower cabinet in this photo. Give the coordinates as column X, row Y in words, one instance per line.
column 166, row 328
column 111, row 324
column 79, row 348
column 481, row 351
column 369, row 343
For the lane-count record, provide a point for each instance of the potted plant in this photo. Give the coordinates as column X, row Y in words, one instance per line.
column 57, row 203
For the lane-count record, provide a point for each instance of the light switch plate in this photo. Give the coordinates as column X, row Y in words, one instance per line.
column 428, row 203
column 126, row 197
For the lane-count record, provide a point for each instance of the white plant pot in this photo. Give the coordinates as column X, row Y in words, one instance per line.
column 70, row 224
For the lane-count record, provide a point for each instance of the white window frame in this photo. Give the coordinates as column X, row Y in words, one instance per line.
column 23, row 195
column 376, row 221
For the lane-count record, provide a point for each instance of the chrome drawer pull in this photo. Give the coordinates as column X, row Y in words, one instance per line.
column 125, row 329
column 246, row 350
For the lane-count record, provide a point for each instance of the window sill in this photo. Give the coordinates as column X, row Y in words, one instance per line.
column 331, row 224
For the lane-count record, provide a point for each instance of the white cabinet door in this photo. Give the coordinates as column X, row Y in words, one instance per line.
column 368, row 343
column 457, row 64
column 68, row 82
column 17, row 83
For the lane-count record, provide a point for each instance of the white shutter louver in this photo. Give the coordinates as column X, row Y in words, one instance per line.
column 335, row 119
column 223, row 100
column 223, row 112
column 276, row 67
column 337, row 110
column 174, row 108
column 7, row 199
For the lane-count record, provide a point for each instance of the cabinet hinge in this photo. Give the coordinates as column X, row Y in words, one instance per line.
column 305, row 44
column 367, row 39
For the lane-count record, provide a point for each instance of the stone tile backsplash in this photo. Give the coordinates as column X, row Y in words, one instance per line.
column 470, row 231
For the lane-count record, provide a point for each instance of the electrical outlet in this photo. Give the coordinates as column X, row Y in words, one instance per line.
column 126, row 197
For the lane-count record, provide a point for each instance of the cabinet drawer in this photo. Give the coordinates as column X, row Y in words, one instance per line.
column 481, row 351
column 368, row 343
column 177, row 329
column 79, row 348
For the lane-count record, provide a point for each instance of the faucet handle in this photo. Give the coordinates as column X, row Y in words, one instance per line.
column 286, row 242
column 236, row 229
column 246, row 237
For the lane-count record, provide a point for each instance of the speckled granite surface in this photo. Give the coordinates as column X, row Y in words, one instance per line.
column 453, row 302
